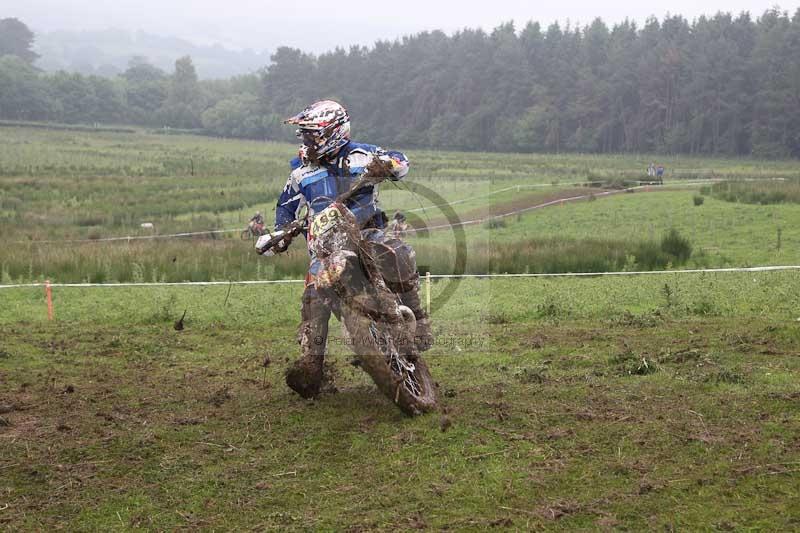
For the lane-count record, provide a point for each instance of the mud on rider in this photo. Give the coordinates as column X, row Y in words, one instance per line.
column 327, row 165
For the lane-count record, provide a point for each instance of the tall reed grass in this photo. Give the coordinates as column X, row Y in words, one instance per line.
column 231, row 259
column 758, row 192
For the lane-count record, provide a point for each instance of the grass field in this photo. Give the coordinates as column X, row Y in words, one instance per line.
column 62, row 185
column 571, row 403
column 723, row 233
column 665, row 401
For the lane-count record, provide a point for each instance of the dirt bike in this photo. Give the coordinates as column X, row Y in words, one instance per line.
column 252, row 231
column 378, row 328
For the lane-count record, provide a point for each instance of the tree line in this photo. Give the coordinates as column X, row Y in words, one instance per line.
column 718, row 85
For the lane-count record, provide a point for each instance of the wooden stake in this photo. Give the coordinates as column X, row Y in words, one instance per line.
column 48, row 292
column 428, row 291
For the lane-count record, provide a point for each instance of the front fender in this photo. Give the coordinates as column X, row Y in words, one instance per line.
column 333, row 268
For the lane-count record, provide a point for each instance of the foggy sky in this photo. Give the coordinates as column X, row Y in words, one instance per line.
column 319, row 25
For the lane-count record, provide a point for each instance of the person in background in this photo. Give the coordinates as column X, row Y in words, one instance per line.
column 399, row 226
column 258, row 219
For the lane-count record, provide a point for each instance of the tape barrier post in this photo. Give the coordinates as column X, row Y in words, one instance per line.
column 48, row 292
column 428, row 292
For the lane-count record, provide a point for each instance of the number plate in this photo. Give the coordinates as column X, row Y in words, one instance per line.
column 326, row 220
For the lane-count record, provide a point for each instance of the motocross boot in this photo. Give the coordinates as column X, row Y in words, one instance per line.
column 306, row 374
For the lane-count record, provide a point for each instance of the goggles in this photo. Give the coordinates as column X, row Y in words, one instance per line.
column 310, row 138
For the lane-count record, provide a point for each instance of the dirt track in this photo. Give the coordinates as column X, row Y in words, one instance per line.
column 522, row 205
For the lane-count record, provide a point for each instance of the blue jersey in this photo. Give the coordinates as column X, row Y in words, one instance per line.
column 316, row 185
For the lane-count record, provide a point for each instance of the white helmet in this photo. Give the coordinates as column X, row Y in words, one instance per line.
column 324, row 127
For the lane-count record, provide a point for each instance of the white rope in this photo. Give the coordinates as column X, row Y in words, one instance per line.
column 164, row 284
column 433, row 276
column 632, row 273
column 133, row 237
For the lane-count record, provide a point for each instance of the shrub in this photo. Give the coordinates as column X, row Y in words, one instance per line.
column 644, row 320
column 650, row 256
column 630, row 363
column 676, row 245
column 553, row 309
column 704, row 307
column 698, row 200
column 670, row 296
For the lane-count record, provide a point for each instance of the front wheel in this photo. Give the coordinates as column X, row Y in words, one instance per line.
column 403, row 378
column 246, row 235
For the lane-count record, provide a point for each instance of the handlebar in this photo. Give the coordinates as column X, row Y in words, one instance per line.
column 288, row 231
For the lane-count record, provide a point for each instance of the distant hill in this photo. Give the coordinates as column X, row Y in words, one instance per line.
column 108, row 52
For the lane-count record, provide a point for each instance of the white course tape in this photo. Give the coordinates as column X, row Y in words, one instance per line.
column 165, row 284
column 133, row 237
column 633, row 273
column 433, row 276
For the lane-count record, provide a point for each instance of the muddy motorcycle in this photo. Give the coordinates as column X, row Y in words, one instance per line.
column 377, row 327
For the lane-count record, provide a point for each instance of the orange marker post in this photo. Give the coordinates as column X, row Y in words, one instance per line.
column 48, row 292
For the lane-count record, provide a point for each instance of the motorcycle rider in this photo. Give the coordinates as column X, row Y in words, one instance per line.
column 327, row 165
column 399, row 226
column 257, row 219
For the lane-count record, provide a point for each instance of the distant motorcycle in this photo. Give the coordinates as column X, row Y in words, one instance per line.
column 378, row 328
column 254, row 230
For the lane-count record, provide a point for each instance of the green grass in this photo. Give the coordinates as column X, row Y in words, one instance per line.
column 639, row 403
column 722, row 233
column 118, row 421
column 770, row 192
column 86, row 185
column 606, row 234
